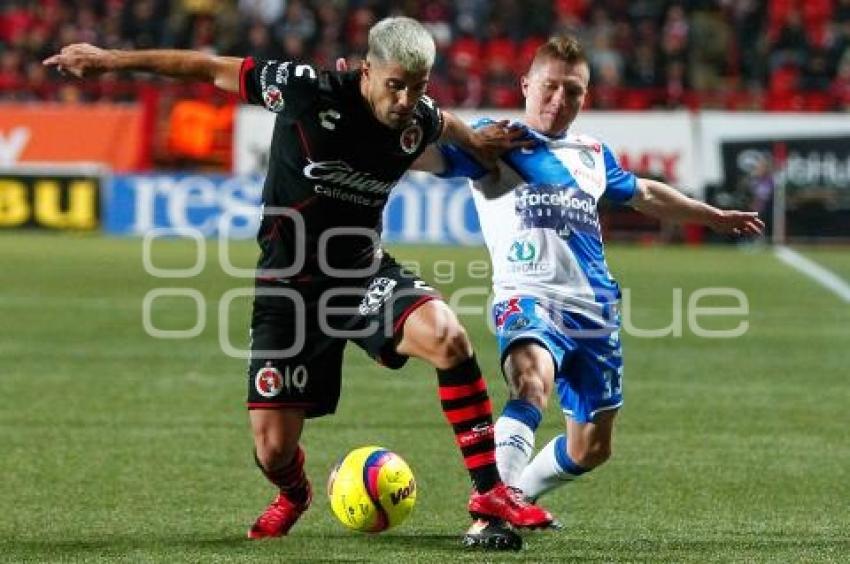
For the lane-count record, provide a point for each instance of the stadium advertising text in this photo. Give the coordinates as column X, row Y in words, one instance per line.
column 51, row 201
column 138, row 204
column 812, row 174
column 421, row 208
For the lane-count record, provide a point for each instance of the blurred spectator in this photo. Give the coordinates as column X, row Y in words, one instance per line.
column 267, row 12
column 461, row 87
column 143, row 24
column 841, row 84
column 674, row 35
column 605, row 62
column 258, row 42
column 790, row 44
column 788, row 54
column 10, row 69
column 298, row 21
column 709, row 63
column 675, row 84
column 816, row 75
column 746, row 19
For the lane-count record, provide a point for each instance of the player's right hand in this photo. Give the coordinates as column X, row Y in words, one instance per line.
column 494, row 140
column 80, row 60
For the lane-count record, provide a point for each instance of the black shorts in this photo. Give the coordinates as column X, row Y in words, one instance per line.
column 298, row 333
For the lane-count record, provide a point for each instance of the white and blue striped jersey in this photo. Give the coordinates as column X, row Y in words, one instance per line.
column 540, row 220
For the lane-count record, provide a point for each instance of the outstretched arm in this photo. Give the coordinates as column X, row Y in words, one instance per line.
column 83, row 60
column 486, row 144
column 665, row 202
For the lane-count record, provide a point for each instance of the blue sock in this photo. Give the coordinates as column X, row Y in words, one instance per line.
column 564, row 461
column 551, row 468
column 524, row 412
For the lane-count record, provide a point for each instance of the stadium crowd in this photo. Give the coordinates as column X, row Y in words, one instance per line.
column 736, row 54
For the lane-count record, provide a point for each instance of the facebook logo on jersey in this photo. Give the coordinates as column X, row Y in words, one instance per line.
column 564, row 209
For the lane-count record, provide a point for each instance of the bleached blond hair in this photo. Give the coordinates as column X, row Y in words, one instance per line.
column 404, row 41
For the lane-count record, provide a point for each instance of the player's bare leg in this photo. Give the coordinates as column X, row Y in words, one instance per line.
column 589, row 444
column 530, row 374
column 433, row 333
column 281, row 460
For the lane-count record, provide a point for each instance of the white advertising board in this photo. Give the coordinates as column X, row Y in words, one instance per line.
column 679, row 146
column 657, row 143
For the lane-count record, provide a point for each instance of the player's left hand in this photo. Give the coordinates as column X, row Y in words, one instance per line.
column 492, row 141
column 734, row 222
column 80, row 60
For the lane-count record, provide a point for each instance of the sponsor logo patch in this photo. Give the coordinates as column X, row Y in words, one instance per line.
column 341, row 174
column 518, row 323
column 380, row 289
column 522, row 251
column 503, row 310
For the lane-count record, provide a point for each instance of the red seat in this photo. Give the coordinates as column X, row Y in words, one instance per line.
column 466, row 52
column 526, row 52
column 818, row 102
column 500, row 53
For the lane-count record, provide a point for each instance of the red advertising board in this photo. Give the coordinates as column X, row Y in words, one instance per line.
column 107, row 134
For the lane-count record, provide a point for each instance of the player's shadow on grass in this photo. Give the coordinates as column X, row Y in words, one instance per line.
column 417, row 540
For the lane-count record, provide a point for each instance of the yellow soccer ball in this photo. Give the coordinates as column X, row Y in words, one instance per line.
column 372, row 489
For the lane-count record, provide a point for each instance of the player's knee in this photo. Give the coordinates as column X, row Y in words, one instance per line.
column 272, row 453
column 530, row 376
column 274, row 457
column 452, row 347
column 530, row 386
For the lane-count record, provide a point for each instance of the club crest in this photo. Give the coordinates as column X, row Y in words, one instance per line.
column 411, row 138
column 273, row 98
column 268, row 381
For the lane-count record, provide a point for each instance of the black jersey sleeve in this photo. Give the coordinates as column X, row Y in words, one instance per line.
column 432, row 119
column 280, row 86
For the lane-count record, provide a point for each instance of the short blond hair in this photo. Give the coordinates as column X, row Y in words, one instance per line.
column 560, row 47
column 404, row 41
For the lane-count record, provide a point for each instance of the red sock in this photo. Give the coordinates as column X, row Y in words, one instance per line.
column 463, row 395
column 290, row 478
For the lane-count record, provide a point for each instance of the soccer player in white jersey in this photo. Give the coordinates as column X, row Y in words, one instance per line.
column 556, row 304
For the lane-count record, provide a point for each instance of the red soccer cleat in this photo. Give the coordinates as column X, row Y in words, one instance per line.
column 508, row 504
column 279, row 517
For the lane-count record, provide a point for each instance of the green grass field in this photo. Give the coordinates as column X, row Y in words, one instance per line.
column 120, row 447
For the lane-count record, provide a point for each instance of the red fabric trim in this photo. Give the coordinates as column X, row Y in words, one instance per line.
column 406, row 313
column 478, row 460
column 303, row 140
column 246, row 67
column 282, row 405
column 274, row 232
column 457, row 392
column 462, row 414
column 303, row 203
